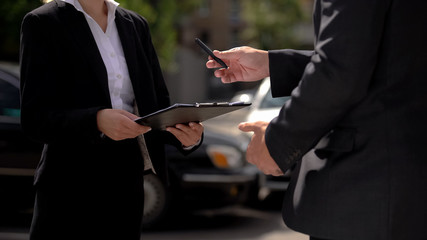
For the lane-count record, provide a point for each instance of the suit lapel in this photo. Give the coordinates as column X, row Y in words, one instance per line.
column 137, row 63
column 136, row 57
column 79, row 31
column 127, row 38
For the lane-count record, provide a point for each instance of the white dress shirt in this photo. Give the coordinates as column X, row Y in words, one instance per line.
column 110, row 47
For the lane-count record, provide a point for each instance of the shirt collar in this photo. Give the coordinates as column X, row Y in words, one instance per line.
column 111, row 5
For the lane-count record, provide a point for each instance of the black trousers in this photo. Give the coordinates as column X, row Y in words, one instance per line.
column 97, row 196
column 313, row 238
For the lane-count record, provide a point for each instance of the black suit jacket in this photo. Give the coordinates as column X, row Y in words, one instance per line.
column 63, row 85
column 354, row 130
column 64, row 81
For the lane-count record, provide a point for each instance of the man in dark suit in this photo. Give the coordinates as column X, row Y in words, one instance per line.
column 85, row 66
column 354, row 131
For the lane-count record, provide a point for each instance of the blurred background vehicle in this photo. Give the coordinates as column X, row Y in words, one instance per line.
column 18, row 155
column 264, row 108
column 215, row 175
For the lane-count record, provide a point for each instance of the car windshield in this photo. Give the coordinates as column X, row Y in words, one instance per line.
column 270, row 102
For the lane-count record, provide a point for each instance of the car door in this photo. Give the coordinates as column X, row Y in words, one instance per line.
column 18, row 155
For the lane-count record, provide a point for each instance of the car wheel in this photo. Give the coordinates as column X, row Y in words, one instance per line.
column 155, row 201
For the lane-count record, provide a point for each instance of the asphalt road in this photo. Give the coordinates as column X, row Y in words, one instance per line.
column 235, row 222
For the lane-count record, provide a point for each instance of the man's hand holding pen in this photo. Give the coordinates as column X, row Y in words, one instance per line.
column 245, row 64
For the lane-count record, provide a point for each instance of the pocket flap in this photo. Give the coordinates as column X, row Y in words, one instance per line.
column 338, row 140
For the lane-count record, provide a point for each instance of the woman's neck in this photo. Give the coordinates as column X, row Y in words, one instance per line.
column 98, row 10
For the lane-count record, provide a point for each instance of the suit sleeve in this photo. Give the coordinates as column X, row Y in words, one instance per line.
column 162, row 92
column 286, row 68
column 43, row 115
column 335, row 79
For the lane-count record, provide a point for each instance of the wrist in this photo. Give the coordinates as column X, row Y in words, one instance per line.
column 266, row 63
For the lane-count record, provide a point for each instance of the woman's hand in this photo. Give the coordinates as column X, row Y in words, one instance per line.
column 189, row 135
column 119, row 124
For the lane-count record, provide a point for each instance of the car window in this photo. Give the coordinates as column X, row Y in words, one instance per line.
column 269, row 102
column 9, row 99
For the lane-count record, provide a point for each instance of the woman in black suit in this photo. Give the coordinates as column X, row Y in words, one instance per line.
column 87, row 67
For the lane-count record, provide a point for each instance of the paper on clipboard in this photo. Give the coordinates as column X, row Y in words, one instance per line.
column 185, row 113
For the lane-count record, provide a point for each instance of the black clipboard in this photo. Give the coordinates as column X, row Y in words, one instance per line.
column 185, row 113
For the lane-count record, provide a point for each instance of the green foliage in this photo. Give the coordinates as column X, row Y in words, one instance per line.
column 11, row 15
column 271, row 23
column 162, row 16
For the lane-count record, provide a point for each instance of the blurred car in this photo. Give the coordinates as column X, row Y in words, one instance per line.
column 215, row 175
column 264, row 108
column 18, row 155
column 245, row 96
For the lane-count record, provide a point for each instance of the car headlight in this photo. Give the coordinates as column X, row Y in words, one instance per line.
column 223, row 156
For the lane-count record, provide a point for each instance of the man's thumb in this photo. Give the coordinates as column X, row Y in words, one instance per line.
column 229, row 54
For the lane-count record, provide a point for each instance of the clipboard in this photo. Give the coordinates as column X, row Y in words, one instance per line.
column 185, row 113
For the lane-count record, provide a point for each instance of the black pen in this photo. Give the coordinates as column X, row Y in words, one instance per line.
column 209, row 51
